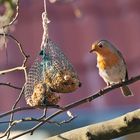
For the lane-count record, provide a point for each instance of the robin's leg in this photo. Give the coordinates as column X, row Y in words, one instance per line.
column 108, row 84
column 122, row 80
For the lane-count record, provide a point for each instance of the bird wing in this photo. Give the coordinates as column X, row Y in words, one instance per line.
column 121, row 56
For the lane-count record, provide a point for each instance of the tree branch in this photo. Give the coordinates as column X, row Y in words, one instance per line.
column 124, row 125
column 12, row 114
column 80, row 102
column 22, row 67
column 11, row 70
column 18, row 109
column 10, row 85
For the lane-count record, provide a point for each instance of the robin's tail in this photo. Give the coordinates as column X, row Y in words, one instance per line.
column 126, row 91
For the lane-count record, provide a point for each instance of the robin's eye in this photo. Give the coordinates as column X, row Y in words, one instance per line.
column 100, row 45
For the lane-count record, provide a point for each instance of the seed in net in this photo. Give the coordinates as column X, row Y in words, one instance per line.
column 42, row 96
column 37, row 92
column 60, row 75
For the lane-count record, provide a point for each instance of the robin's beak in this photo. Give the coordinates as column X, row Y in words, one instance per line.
column 80, row 84
column 92, row 48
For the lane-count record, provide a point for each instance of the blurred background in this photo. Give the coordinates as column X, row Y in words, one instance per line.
column 75, row 25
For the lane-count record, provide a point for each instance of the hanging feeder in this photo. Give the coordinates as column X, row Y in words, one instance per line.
column 51, row 73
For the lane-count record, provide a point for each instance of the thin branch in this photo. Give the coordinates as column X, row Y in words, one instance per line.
column 10, row 85
column 19, row 46
column 61, row 1
column 18, row 109
column 30, row 119
column 23, row 66
column 44, row 113
column 80, row 102
column 11, row 70
column 68, row 121
column 7, row 132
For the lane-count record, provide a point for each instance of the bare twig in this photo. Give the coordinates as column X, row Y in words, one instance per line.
column 19, row 109
column 82, row 101
column 5, row 43
column 16, row 110
column 68, row 121
column 61, row 1
column 12, row 114
column 10, row 85
column 23, row 66
column 19, row 46
column 7, row 131
column 30, row 119
column 44, row 113
column 11, row 70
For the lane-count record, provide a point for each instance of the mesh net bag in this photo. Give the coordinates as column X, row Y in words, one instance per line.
column 51, row 73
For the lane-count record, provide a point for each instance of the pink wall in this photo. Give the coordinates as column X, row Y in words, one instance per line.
column 117, row 21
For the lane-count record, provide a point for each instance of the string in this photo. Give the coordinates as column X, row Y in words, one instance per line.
column 45, row 22
column 45, row 36
column 45, row 8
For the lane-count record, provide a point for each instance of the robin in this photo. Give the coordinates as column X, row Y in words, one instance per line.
column 111, row 64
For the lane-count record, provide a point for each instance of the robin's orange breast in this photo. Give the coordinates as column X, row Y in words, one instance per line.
column 107, row 61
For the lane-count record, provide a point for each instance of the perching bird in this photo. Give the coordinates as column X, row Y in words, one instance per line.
column 111, row 64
